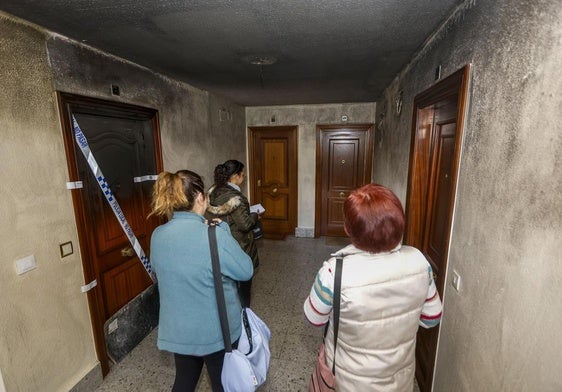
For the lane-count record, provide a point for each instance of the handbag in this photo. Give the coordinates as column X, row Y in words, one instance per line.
column 323, row 378
column 245, row 368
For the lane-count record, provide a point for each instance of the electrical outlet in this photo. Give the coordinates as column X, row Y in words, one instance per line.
column 25, row 264
column 456, row 282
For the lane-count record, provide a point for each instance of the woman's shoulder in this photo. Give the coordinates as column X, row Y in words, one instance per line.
column 412, row 253
column 222, row 192
column 224, row 200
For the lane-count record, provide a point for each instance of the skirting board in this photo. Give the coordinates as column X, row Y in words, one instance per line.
column 2, row 386
column 307, row 232
column 90, row 382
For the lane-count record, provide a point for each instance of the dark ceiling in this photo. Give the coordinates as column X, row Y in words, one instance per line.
column 325, row 51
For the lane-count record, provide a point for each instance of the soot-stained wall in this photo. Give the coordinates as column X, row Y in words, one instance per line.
column 46, row 341
column 501, row 331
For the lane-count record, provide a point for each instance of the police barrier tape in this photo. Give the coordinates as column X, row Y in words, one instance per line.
column 85, row 148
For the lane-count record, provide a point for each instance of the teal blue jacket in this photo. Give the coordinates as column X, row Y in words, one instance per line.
column 189, row 321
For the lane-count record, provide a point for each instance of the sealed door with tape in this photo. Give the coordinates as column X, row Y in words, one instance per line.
column 124, row 143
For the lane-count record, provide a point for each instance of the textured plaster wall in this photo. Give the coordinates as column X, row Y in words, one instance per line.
column 306, row 117
column 46, row 341
column 45, row 332
column 502, row 331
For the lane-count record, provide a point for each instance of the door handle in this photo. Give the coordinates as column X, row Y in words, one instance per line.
column 127, row 252
column 342, row 194
column 259, row 182
column 274, row 190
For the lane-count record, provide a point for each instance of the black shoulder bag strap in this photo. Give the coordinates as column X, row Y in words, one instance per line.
column 219, row 290
column 337, row 298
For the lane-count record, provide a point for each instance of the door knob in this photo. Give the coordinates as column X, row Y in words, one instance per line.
column 127, row 252
column 274, row 190
column 342, row 194
column 259, row 182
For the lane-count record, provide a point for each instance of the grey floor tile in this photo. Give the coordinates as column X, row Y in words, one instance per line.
column 287, row 270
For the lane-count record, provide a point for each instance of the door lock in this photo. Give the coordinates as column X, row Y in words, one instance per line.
column 342, row 194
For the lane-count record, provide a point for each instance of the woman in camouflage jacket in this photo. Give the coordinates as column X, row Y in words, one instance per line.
column 228, row 203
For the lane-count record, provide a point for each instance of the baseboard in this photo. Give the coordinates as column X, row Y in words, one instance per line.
column 90, row 382
column 307, row 232
column 2, row 386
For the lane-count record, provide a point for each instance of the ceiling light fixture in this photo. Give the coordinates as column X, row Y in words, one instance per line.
column 260, row 60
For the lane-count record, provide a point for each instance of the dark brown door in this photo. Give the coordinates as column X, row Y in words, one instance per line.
column 436, row 142
column 343, row 163
column 273, row 178
column 124, row 141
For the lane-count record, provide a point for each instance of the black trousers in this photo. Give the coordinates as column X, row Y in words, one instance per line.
column 188, row 370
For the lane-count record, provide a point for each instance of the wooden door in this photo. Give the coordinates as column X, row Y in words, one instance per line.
column 273, row 178
column 343, row 163
column 124, row 141
column 434, row 161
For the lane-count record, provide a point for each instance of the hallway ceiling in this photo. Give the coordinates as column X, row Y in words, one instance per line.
column 325, row 51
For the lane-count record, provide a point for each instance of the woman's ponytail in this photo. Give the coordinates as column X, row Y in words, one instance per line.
column 175, row 192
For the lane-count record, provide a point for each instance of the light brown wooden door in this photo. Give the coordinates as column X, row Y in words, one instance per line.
column 434, row 160
column 343, row 163
column 273, row 178
column 125, row 143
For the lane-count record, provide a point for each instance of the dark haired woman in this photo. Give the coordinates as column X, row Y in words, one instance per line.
column 228, row 203
column 387, row 291
column 189, row 323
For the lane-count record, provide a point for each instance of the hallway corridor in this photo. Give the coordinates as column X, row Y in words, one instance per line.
column 287, row 269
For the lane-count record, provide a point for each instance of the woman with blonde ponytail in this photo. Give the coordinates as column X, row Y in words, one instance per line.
column 189, row 320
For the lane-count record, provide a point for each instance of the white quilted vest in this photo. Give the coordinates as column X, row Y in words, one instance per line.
column 381, row 300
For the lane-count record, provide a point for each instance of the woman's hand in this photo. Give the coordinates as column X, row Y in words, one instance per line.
column 213, row 222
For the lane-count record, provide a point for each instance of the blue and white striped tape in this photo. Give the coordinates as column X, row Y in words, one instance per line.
column 85, row 148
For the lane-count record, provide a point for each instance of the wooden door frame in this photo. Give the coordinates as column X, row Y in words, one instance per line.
column 417, row 198
column 293, row 213
column 320, row 128
column 95, row 297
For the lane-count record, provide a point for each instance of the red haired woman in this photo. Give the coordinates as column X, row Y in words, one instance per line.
column 387, row 291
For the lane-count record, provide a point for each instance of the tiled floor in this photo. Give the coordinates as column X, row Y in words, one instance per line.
column 280, row 287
